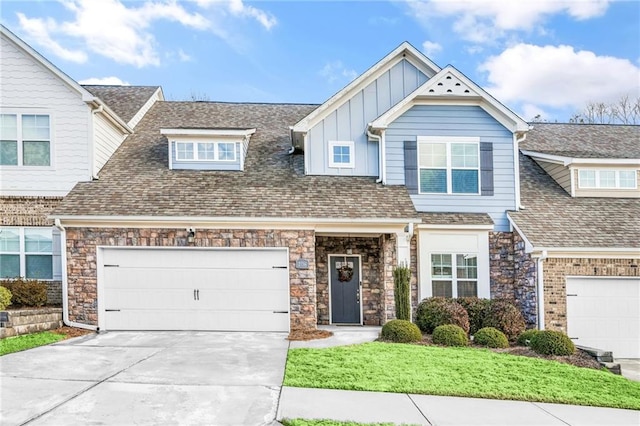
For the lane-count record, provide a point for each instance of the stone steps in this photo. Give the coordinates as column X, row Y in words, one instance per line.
column 605, row 358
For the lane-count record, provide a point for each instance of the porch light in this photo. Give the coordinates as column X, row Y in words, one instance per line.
column 191, row 235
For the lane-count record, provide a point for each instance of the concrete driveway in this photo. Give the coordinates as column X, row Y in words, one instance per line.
column 122, row 378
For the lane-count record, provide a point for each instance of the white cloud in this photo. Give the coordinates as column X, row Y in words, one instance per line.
column 39, row 30
column 483, row 21
column 430, row 48
column 335, row 71
column 533, row 112
column 184, row 57
column 240, row 9
column 109, row 81
column 558, row 77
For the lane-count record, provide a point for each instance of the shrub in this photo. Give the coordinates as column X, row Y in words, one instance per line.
column 450, row 335
column 24, row 292
column 401, row 331
column 5, row 298
column 401, row 282
column 491, row 338
column 435, row 311
column 475, row 308
column 505, row 316
column 524, row 339
column 549, row 342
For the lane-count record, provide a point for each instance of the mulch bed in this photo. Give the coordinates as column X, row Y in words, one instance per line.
column 309, row 334
column 70, row 332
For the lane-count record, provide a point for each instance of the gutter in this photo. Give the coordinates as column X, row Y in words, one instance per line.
column 65, row 284
column 380, row 159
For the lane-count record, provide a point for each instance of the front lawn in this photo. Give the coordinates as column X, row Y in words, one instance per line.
column 302, row 422
column 469, row 372
column 28, row 341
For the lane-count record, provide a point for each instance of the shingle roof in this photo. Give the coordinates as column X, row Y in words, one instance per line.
column 137, row 180
column 584, row 140
column 553, row 219
column 125, row 101
column 456, row 218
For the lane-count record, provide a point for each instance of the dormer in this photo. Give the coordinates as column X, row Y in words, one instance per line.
column 207, row 149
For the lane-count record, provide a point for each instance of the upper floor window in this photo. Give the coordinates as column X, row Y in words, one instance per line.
column 25, row 140
column 607, row 179
column 26, row 252
column 205, row 151
column 341, row 154
column 449, row 165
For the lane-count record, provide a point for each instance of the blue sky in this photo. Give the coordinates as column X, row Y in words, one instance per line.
column 547, row 57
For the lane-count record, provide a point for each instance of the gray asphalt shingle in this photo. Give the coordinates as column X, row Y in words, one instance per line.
column 125, row 101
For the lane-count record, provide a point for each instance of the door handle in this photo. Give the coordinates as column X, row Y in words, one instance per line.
column 358, row 296
column 194, row 294
column 198, row 294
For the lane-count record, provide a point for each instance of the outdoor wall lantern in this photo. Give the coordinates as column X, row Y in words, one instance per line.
column 191, row 235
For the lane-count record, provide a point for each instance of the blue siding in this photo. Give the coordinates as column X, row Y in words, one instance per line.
column 471, row 121
column 349, row 121
column 206, row 165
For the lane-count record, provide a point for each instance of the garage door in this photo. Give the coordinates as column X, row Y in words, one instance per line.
column 193, row 289
column 604, row 313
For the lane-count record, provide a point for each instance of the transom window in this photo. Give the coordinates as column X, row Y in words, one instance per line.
column 341, row 154
column 449, row 165
column 25, row 140
column 26, row 252
column 205, row 151
column 454, row 275
column 607, row 179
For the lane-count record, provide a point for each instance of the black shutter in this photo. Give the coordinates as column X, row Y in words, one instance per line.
column 411, row 166
column 486, row 168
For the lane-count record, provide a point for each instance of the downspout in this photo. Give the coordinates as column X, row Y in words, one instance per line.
column 65, row 284
column 516, row 162
column 540, row 288
column 379, row 139
column 92, row 160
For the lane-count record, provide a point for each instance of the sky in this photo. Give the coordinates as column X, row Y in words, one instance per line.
column 545, row 58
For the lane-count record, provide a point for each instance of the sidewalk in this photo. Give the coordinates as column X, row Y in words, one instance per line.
column 376, row 407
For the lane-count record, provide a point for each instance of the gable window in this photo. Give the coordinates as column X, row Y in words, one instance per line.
column 205, row 151
column 607, row 179
column 449, row 165
column 454, row 275
column 26, row 252
column 341, row 154
column 25, row 140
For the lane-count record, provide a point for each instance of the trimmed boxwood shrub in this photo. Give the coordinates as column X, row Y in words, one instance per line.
column 505, row 316
column 491, row 338
column 450, row 335
column 24, row 292
column 5, row 298
column 524, row 339
column 401, row 331
column 475, row 308
column 550, row 342
column 435, row 311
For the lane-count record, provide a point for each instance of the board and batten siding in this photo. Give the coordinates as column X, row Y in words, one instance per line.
column 206, row 165
column 559, row 173
column 456, row 121
column 349, row 121
column 107, row 138
column 27, row 87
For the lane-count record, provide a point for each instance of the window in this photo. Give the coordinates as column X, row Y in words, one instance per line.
column 26, row 252
column 607, row 179
column 449, row 166
column 454, row 275
column 341, row 154
column 25, row 140
column 205, row 151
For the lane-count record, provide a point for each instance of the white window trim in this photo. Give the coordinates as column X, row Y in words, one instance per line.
column 617, row 179
column 23, row 251
column 352, row 157
column 454, row 272
column 20, row 142
column 194, row 147
column 448, row 141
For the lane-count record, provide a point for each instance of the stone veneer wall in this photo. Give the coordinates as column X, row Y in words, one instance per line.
column 82, row 266
column 557, row 269
column 389, row 262
column 501, row 265
column 525, row 281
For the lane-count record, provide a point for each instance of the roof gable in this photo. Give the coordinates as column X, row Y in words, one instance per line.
column 404, row 51
column 125, row 101
column 452, row 86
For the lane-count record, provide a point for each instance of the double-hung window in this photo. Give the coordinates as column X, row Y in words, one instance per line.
column 454, row 275
column 449, row 165
column 607, row 179
column 26, row 252
column 25, row 140
column 205, row 151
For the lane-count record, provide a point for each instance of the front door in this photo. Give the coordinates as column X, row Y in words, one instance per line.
column 344, row 273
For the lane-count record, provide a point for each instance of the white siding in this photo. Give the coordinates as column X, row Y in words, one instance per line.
column 157, row 96
column 107, row 139
column 559, row 173
column 28, row 87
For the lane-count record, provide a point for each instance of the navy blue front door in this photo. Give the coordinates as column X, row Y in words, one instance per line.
column 344, row 273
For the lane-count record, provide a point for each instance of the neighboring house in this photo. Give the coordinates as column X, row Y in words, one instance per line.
column 53, row 134
column 578, row 233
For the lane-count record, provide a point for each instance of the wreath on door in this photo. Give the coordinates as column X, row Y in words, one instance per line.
column 345, row 272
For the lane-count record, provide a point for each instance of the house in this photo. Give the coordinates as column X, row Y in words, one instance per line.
column 577, row 235
column 54, row 133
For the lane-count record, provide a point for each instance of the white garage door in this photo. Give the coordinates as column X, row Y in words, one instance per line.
column 604, row 313
column 194, row 289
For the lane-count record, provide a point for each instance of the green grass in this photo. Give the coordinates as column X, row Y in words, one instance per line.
column 469, row 372
column 20, row 343
column 302, row 422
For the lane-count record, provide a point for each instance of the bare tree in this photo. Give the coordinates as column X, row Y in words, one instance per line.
column 625, row 111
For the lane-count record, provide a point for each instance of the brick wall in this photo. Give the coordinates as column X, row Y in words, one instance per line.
column 557, row 269
column 27, row 211
column 82, row 267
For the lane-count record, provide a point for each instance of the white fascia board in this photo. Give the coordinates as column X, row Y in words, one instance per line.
column 565, row 161
column 591, row 252
column 112, row 116
column 86, row 96
column 404, row 51
column 453, row 227
column 528, row 246
column 208, row 132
